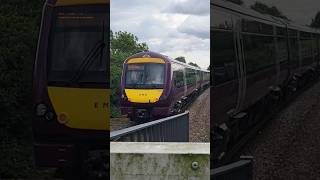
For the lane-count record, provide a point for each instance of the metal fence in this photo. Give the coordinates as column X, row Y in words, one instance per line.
column 241, row 170
column 171, row 129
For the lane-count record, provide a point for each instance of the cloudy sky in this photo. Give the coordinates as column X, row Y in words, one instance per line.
column 300, row 11
column 171, row 27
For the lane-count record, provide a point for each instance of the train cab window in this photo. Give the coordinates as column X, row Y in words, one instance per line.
column 223, row 61
column 259, row 52
column 148, row 75
column 220, row 20
column 74, row 36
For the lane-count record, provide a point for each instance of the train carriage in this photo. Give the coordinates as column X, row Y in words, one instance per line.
column 256, row 61
column 155, row 86
column 71, row 82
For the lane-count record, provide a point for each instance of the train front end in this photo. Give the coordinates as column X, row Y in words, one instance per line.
column 145, row 86
column 71, row 82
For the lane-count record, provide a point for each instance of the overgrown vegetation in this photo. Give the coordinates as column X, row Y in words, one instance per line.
column 265, row 9
column 316, row 21
column 240, row 2
column 19, row 25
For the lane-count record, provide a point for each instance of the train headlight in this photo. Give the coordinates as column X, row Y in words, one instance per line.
column 49, row 115
column 41, row 109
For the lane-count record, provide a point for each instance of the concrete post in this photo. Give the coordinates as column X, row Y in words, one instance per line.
column 159, row 161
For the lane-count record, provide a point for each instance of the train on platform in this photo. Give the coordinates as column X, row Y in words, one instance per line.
column 155, row 86
column 71, row 84
column 257, row 62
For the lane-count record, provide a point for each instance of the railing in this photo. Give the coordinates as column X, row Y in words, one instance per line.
column 171, row 129
column 241, row 170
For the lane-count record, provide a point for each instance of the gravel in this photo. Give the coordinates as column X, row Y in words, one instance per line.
column 289, row 146
column 120, row 123
column 199, row 118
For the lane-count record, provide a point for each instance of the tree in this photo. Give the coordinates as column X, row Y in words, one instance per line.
column 122, row 45
column 240, row 2
column 265, row 9
column 209, row 67
column 316, row 21
column 181, row 59
column 193, row 64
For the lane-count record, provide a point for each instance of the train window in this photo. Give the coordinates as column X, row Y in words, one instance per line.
column 259, row 52
column 315, row 47
column 178, row 78
column 305, row 35
column 266, row 29
column 222, row 56
column 281, row 31
column 190, row 76
column 292, row 33
column 220, row 20
column 250, row 26
column 306, row 51
column 282, row 51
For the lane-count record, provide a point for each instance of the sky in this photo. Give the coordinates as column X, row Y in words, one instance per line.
column 170, row 27
column 300, row 11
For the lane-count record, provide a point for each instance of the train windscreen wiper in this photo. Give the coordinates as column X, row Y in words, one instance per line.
column 85, row 64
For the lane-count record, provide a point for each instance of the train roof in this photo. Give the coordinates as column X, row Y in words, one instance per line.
column 262, row 17
column 189, row 66
column 166, row 58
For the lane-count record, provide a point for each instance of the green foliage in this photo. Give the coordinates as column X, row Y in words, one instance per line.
column 181, row 59
column 19, row 25
column 240, row 2
column 265, row 9
column 122, row 45
column 316, row 21
column 193, row 64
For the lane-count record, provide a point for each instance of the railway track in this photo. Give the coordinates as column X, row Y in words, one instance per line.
column 124, row 122
column 233, row 153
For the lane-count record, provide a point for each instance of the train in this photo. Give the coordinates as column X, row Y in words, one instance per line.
column 71, row 88
column 154, row 86
column 257, row 62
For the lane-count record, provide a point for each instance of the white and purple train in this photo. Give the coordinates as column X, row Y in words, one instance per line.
column 155, row 86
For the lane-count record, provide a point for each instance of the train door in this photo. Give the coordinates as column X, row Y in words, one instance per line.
column 241, row 64
column 227, row 76
column 224, row 66
column 185, row 81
